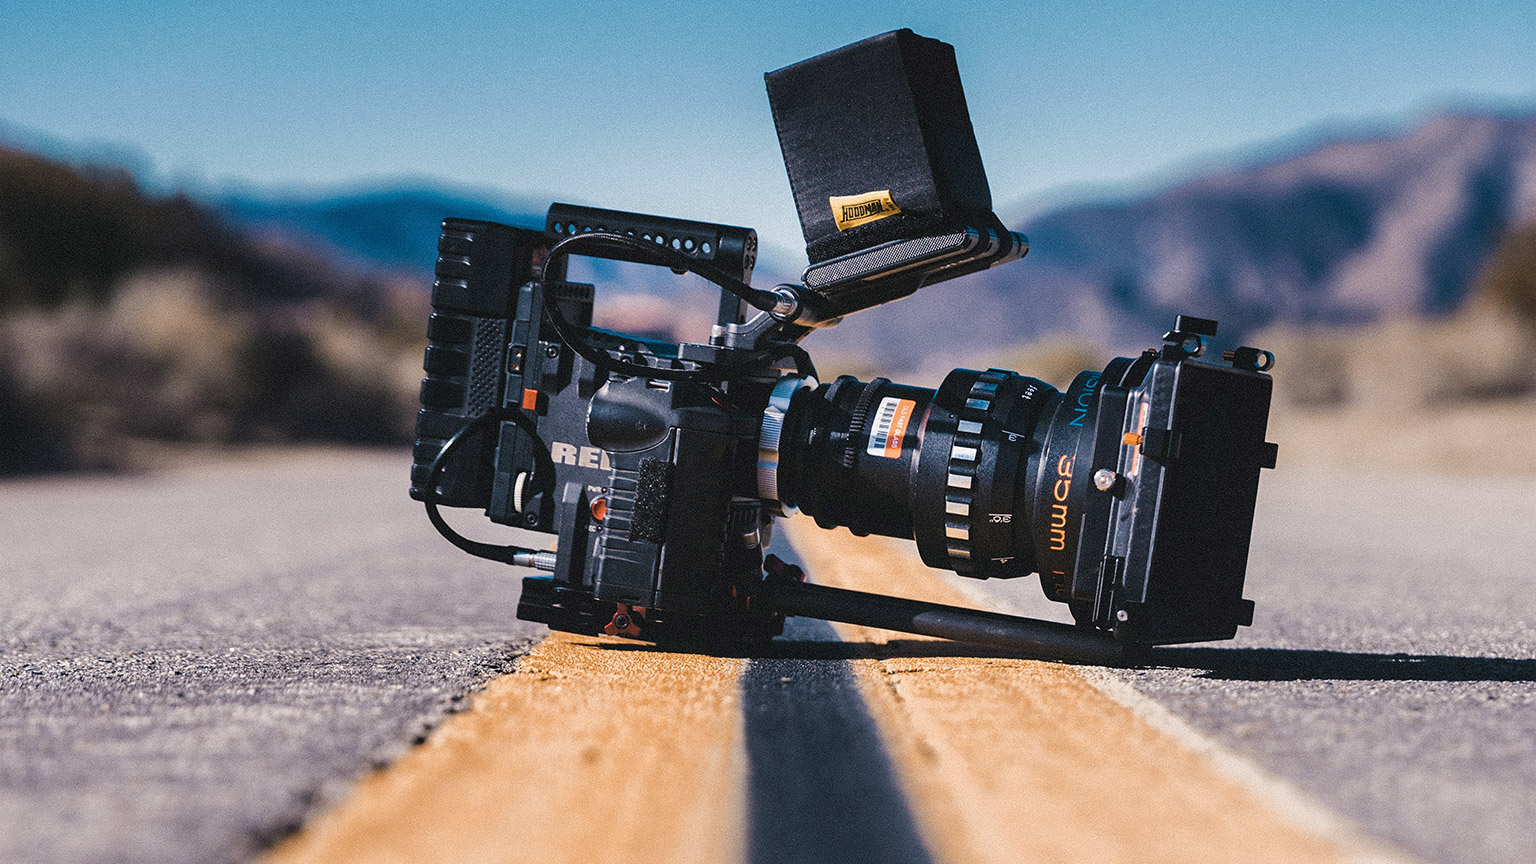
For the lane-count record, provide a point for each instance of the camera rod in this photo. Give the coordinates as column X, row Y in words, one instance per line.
column 1011, row 632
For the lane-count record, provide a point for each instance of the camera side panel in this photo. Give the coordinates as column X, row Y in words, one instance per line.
column 478, row 266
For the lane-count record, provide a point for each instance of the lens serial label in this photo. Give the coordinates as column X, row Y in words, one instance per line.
column 851, row 210
column 890, row 427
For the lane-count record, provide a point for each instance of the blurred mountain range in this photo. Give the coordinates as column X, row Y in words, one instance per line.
column 1351, row 230
column 128, row 315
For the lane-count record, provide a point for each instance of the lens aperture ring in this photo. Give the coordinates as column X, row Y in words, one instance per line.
column 964, row 456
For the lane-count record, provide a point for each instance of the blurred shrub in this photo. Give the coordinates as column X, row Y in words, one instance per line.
column 170, row 360
column 127, row 318
column 72, row 234
column 1509, row 280
column 1485, row 351
column 1054, row 360
column 28, row 443
column 1405, row 365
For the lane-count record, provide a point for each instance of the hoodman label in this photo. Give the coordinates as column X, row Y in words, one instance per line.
column 851, row 210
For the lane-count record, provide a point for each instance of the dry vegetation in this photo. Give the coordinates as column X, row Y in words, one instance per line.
column 1055, row 361
column 133, row 327
column 166, row 363
column 1456, row 394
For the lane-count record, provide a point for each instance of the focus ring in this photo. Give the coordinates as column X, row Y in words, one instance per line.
column 964, row 457
column 859, row 418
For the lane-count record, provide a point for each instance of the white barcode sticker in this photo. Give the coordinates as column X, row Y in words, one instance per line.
column 890, row 427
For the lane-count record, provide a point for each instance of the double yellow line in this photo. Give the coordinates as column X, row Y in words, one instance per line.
column 596, row 750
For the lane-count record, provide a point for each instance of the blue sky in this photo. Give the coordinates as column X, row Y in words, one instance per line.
column 661, row 107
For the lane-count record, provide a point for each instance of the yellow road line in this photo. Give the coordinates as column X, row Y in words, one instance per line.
column 585, row 753
column 1012, row 760
column 601, row 750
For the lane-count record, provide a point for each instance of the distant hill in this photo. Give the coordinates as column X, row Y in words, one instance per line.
column 1348, row 231
column 1351, row 230
column 390, row 227
column 72, row 233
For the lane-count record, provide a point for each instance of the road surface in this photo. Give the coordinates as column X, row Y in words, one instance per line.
column 190, row 661
column 1390, row 668
column 195, row 663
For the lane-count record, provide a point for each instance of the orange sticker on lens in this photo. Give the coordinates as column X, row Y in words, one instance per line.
column 890, row 427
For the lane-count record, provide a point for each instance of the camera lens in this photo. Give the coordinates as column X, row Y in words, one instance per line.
column 987, row 473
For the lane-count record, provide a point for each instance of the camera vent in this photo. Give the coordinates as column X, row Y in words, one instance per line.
column 485, row 366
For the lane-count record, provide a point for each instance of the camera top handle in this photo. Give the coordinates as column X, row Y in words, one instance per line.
column 730, row 249
column 714, row 252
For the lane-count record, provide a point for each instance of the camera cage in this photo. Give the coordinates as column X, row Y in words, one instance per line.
column 483, row 395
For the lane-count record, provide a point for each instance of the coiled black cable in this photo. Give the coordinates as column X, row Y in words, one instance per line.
column 543, row 473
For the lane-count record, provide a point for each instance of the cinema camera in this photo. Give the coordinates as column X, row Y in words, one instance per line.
column 661, row 466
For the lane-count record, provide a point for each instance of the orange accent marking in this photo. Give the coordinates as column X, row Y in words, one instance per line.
column 636, row 616
column 1132, row 439
column 899, row 428
column 530, row 400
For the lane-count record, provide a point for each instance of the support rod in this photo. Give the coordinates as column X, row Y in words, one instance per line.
column 1011, row 632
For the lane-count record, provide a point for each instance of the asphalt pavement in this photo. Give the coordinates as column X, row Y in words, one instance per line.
column 819, row 781
column 191, row 661
column 1391, row 669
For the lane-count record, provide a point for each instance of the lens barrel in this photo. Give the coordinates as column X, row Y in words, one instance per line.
column 1057, row 504
column 951, row 468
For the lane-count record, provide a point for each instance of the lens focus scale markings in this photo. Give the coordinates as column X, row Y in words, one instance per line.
column 964, row 453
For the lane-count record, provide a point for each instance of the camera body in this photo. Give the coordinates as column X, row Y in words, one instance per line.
column 649, row 484
column 660, row 467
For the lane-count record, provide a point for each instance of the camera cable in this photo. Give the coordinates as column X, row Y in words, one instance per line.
column 543, row 467
column 576, row 336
